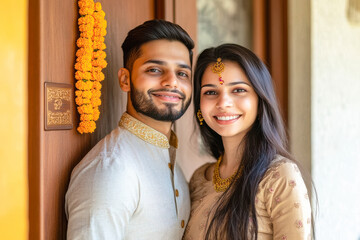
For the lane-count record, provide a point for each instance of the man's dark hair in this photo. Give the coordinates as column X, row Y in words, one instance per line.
column 150, row 31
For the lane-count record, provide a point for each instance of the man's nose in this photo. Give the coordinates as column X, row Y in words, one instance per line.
column 170, row 80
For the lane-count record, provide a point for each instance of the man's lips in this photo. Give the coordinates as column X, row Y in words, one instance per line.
column 168, row 96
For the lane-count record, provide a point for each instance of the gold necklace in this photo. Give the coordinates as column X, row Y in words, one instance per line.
column 221, row 184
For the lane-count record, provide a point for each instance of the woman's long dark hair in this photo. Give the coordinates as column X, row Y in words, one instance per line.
column 265, row 139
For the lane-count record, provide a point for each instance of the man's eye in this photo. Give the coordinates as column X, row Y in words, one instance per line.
column 153, row 70
column 183, row 74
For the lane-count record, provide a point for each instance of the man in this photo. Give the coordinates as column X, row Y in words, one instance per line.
column 129, row 186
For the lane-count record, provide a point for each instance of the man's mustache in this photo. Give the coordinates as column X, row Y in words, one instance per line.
column 150, row 91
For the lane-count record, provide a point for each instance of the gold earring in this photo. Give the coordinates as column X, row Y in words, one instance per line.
column 200, row 117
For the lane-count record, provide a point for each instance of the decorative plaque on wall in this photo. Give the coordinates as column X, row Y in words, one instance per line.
column 58, row 106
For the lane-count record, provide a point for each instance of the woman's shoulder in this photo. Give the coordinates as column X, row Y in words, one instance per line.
column 198, row 178
column 200, row 172
column 281, row 168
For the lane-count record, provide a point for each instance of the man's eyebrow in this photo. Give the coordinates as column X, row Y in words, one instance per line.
column 184, row 66
column 155, row 61
column 163, row 63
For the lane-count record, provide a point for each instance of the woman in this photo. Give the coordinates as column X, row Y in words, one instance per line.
column 254, row 190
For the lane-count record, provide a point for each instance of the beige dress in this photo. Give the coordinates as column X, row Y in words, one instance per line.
column 282, row 203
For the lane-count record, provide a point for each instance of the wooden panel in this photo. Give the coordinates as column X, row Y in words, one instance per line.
column 259, row 30
column 53, row 154
column 34, row 116
column 278, row 53
column 270, row 44
column 164, row 9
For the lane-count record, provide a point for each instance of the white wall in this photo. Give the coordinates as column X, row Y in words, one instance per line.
column 335, row 110
column 336, row 119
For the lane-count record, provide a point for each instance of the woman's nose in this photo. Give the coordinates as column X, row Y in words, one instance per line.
column 224, row 101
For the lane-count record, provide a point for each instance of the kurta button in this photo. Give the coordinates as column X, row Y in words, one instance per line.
column 176, row 192
column 170, row 165
column 182, row 223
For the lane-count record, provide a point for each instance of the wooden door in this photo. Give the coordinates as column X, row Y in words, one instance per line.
column 53, row 32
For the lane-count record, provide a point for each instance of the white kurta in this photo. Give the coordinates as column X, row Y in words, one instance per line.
column 128, row 186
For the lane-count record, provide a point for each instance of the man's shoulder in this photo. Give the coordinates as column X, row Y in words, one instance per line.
column 109, row 152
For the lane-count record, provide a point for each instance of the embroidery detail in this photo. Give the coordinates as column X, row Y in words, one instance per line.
column 292, row 183
column 146, row 133
column 298, row 223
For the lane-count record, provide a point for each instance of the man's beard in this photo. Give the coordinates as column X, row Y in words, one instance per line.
column 145, row 105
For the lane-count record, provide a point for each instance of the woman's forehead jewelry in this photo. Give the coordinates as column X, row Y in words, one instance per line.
column 218, row 68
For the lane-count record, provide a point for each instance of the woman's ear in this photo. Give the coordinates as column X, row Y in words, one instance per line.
column 124, row 79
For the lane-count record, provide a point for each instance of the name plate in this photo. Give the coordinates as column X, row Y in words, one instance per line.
column 58, row 106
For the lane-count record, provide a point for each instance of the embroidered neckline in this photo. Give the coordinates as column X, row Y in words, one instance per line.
column 147, row 133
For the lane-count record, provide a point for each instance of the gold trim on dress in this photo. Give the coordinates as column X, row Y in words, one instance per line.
column 147, row 133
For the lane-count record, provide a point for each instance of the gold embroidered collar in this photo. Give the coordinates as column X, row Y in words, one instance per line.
column 147, row 133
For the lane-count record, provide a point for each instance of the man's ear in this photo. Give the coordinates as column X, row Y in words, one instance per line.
column 124, row 79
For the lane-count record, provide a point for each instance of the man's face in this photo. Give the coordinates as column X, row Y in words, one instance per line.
column 161, row 80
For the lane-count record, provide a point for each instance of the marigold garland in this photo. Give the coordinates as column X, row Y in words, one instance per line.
column 89, row 63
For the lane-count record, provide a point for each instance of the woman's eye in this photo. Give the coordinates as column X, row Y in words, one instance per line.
column 239, row 90
column 209, row 93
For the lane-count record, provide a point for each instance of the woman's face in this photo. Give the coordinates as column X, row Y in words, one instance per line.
column 229, row 109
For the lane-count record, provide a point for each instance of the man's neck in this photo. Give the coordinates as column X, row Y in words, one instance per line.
column 160, row 126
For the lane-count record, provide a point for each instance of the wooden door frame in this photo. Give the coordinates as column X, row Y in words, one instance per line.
column 270, row 42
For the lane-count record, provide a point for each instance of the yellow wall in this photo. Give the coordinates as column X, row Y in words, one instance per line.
column 13, row 120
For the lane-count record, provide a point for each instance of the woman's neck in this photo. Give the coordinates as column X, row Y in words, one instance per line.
column 233, row 151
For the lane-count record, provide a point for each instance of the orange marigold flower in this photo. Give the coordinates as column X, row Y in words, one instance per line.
column 100, row 23
column 96, row 114
column 98, row 39
column 96, row 93
column 99, row 46
column 86, row 11
column 97, row 76
column 95, row 102
column 99, row 32
column 89, row 63
column 96, row 69
column 99, row 63
column 80, row 101
column 87, row 34
column 98, row 6
column 83, row 75
column 97, row 85
column 87, row 94
column 86, row 127
column 84, row 42
column 86, row 66
column 86, row 3
column 86, row 27
column 86, row 117
column 88, row 19
column 81, row 85
column 78, row 93
column 84, row 51
column 99, row 55
column 84, row 58
column 99, row 14
column 85, row 109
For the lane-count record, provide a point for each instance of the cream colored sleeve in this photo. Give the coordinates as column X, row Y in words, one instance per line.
column 287, row 203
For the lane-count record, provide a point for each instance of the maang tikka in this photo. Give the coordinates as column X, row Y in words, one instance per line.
column 218, row 68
